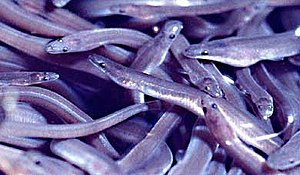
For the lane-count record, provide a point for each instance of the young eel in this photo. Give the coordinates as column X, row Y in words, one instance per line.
column 246, row 51
column 85, row 156
column 91, row 39
column 26, row 78
column 226, row 136
column 246, row 125
column 261, row 99
column 151, row 12
column 198, row 75
column 286, row 104
column 77, row 129
column 288, row 156
column 10, row 11
column 198, row 153
column 153, row 53
column 164, row 126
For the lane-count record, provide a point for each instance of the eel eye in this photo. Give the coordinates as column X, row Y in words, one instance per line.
column 102, row 65
column 204, row 52
column 215, row 106
column 65, row 49
column 171, row 36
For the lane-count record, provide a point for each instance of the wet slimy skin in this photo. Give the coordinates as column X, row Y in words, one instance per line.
column 261, row 99
column 198, row 75
column 246, row 51
column 26, row 78
column 286, row 157
column 91, row 39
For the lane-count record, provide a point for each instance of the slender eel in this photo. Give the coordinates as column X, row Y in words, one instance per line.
column 154, row 138
column 245, row 124
column 62, row 108
column 261, row 99
column 91, row 39
column 288, row 156
column 10, row 11
column 57, row 15
column 35, row 46
column 248, row 127
column 153, row 53
column 22, row 112
column 198, row 154
column 246, row 51
column 85, row 157
column 76, row 129
column 46, row 99
column 190, row 98
column 97, row 8
column 152, row 12
column 286, row 104
column 26, row 78
column 230, row 92
column 226, row 136
column 159, row 161
column 198, row 75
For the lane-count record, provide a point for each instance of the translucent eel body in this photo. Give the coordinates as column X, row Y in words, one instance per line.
column 19, row 112
column 151, row 12
column 76, row 129
column 246, row 51
column 261, row 99
column 198, row 75
column 285, row 104
column 35, row 46
column 96, row 8
column 247, row 126
column 225, row 135
column 15, row 161
column 153, row 53
column 10, row 11
column 251, row 127
column 48, row 100
column 62, row 108
column 159, row 162
column 91, row 39
column 57, row 15
column 85, row 157
column 167, row 122
column 198, row 154
column 26, row 78
column 288, row 156
column 230, row 92
column 189, row 99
